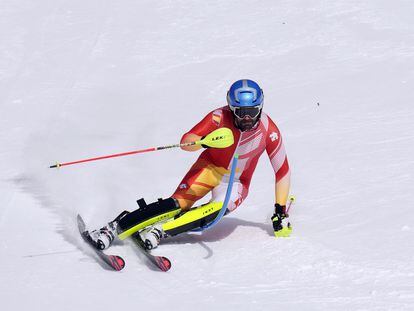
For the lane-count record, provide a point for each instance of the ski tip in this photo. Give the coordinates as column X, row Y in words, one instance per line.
column 80, row 220
column 81, row 224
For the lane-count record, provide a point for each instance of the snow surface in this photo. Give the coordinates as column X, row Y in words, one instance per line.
column 87, row 78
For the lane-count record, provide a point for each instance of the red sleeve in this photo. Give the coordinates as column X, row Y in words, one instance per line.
column 208, row 124
column 276, row 151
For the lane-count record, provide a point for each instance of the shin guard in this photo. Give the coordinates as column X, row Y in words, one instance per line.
column 147, row 215
column 193, row 219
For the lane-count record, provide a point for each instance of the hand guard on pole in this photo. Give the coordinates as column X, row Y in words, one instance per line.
column 220, row 138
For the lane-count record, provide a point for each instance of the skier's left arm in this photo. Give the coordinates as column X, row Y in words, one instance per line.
column 278, row 158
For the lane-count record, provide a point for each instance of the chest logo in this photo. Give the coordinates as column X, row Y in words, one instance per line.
column 273, row 136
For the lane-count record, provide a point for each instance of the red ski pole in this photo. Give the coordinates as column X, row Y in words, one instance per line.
column 58, row 165
column 220, row 138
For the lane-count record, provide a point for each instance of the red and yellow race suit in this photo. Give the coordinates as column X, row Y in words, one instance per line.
column 211, row 170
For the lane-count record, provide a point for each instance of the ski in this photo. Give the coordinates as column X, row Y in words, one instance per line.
column 162, row 263
column 113, row 261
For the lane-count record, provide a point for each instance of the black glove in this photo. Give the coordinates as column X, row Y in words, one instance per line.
column 281, row 226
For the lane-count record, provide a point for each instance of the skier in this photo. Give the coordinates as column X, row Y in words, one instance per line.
column 254, row 132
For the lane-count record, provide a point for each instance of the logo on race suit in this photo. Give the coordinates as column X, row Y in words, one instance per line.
column 274, row 136
column 217, row 138
column 183, row 186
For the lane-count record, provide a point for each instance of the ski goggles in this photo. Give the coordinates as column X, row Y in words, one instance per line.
column 242, row 112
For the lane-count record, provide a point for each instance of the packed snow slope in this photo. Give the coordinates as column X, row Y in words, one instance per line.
column 87, row 78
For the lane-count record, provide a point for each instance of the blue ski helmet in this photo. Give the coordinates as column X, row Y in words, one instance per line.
column 245, row 99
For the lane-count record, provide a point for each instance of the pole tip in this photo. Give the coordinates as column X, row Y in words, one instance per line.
column 57, row 165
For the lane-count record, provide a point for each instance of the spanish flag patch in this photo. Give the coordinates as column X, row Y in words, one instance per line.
column 217, row 114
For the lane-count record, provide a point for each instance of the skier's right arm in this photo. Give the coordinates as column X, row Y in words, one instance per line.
column 201, row 129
